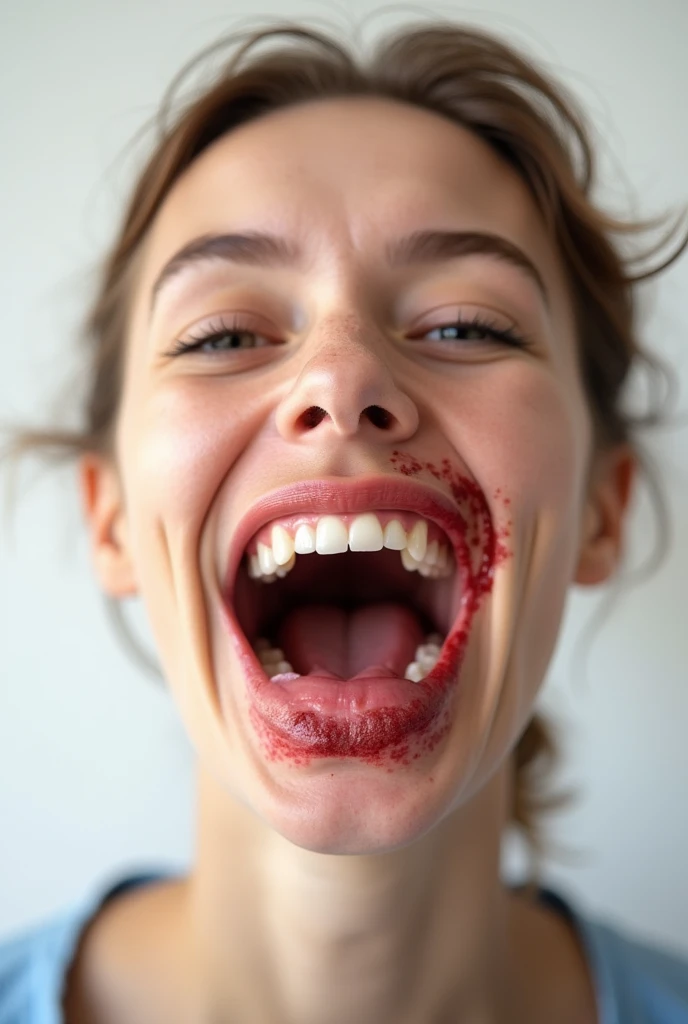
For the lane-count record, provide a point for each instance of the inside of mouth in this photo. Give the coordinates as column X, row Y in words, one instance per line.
column 344, row 615
column 347, row 641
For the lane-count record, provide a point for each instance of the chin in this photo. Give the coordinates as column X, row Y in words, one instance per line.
column 338, row 814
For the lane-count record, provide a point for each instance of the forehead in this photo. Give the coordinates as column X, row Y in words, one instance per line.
column 342, row 176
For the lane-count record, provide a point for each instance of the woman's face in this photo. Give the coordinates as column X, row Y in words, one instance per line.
column 333, row 385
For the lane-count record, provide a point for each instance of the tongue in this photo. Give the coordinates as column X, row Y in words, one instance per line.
column 330, row 639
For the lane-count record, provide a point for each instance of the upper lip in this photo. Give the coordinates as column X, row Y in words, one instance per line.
column 337, row 496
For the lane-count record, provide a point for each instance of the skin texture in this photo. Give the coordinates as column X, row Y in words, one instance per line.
column 413, row 924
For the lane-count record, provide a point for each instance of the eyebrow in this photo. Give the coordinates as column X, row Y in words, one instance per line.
column 419, row 248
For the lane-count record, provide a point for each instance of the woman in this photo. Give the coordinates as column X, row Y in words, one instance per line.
column 355, row 427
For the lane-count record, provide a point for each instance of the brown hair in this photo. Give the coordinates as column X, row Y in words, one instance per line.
column 478, row 82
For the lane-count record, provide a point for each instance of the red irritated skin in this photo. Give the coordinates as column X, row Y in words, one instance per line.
column 380, row 720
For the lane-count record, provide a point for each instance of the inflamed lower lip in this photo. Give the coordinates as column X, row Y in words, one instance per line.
column 376, row 715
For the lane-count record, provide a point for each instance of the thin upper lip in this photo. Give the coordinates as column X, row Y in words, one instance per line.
column 336, row 496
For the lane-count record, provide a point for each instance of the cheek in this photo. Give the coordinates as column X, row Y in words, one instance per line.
column 525, row 435
column 524, row 432
column 546, row 465
column 176, row 447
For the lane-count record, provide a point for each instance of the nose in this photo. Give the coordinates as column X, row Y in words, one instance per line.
column 346, row 389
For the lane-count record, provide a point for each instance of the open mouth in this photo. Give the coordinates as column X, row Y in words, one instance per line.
column 350, row 624
column 341, row 596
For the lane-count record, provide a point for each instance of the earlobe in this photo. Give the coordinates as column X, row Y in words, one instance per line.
column 602, row 531
column 103, row 508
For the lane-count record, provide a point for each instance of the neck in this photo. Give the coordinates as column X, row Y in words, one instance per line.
column 281, row 933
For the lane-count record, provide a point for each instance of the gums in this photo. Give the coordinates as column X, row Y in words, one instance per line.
column 398, row 736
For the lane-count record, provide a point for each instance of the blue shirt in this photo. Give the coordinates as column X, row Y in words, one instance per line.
column 635, row 983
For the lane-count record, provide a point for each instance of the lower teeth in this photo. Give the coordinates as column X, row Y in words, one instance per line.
column 427, row 655
column 271, row 658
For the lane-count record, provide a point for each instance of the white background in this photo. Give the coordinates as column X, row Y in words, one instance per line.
column 95, row 770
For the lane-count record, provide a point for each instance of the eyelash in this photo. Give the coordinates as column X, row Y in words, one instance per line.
column 506, row 335
column 220, row 329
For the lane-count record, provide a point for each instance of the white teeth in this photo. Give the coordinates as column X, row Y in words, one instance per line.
column 439, row 567
column 279, row 669
column 268, row 655
column 394, row 536
column 414, row 672
column 408, row 561
column 418, row 540
column 304, row 540
column 426, row 657
column 430, row 555
column 283, row 570
column 282, row 545
column 271, row 658
column 331, row 536
column 266, row 560
column 365, row 533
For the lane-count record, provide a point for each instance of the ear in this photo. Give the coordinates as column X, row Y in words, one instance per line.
column 609, row 493
column 103, row 508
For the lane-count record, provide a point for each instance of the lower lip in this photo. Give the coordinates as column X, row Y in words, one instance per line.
column 373, row 717
column 378, row 720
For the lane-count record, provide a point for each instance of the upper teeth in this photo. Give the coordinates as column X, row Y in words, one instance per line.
column 331, row 535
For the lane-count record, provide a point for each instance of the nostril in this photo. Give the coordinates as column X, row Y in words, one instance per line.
column 375, row 414
column 312, row 417
column 379, row 417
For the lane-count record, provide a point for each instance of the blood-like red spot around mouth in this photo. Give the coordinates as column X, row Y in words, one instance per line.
column 484, row 547
column 475, row 513
column 398, row 735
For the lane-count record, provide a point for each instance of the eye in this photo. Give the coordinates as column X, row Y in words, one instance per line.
column 222, row 336
column 476, row 329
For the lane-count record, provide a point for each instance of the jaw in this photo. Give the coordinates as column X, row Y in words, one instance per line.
column 371, row 751
column 334, row 783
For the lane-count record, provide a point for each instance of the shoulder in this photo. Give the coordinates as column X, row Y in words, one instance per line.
column 34, row 962
column 29, row 967
column 649, row 982
column 637, row 982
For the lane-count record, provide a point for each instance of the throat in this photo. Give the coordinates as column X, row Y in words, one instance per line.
column 345, row 642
